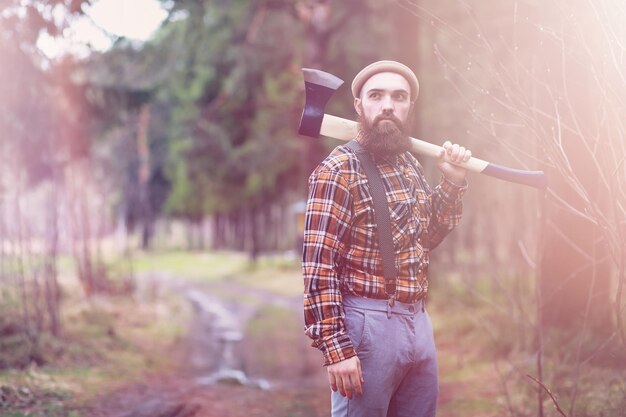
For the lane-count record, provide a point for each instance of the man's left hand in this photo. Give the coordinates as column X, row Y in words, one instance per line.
column 453, row 153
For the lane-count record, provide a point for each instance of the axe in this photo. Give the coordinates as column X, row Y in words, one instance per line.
column 320, row 86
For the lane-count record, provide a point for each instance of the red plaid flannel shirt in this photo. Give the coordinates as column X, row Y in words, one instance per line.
column 341, row 253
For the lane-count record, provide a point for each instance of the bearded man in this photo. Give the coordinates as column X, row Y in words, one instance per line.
column 378, row 346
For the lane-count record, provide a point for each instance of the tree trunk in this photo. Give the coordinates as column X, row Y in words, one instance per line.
column 219, row 231
column 143, row 152
column 52, row 290
column 201, row 234
column 20, row 276
column 316, row 17
column 78, row 211
column 255, row 244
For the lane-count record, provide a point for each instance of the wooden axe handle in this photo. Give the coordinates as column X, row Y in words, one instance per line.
column 344, row 129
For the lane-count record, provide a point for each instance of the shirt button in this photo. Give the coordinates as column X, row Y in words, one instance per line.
column 411, row 309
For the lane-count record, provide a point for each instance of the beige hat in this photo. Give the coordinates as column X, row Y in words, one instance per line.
column 385, row 66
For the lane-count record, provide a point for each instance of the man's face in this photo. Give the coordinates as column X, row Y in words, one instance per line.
column 384, row 109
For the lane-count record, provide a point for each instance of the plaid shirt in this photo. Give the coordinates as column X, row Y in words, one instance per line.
column 341, row 253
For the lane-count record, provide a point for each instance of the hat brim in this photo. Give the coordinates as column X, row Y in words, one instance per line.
column 385, row 66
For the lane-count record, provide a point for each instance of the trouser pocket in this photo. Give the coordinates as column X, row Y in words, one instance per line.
column 356, row 320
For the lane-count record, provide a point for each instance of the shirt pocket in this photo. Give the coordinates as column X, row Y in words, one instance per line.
column 364, row 227
column 404, row 225
column 423, row 207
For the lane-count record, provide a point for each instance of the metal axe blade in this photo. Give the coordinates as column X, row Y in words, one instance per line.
column 319, row 87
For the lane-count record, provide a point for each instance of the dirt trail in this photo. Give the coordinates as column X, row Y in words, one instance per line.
column 219, row 372
column 213, row 377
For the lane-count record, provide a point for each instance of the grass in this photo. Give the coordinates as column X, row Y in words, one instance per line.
column 487, row 348
column 484, row 344
column 469, row 407
column 106, row 341
column 206, row 266
column 274, row 274
column 281, row 277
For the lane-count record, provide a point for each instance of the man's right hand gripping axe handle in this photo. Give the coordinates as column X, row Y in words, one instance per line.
column 320, row 86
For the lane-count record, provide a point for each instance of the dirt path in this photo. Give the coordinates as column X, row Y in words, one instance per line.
column 232, row 364
column 217, row 374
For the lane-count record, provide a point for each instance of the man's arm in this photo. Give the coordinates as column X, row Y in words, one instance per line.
column 446, row 198
column 327, row 219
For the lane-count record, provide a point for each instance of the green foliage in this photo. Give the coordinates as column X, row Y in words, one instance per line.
column 223, row 86
column 206, row 266
column 234, row 98
column 224, row 163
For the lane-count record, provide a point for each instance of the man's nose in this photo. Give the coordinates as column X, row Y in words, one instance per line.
column 387, row 105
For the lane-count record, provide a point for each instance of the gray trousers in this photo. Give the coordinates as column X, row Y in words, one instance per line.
column 396, row 348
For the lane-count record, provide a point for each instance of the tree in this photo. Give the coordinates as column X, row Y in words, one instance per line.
column 33, row 137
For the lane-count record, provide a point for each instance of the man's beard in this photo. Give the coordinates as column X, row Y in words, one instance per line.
column 385, row 136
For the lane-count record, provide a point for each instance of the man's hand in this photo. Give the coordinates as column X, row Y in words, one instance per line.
column 346, row 376
column 454, row 153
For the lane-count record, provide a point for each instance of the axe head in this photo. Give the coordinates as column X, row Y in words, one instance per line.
column 319, row 86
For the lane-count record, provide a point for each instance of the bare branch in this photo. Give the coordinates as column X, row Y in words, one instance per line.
column 552, row 397
column 432, row 18
column 525, row 255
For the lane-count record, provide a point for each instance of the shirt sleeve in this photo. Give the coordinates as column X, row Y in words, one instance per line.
column 327, row 219
column 447, row 210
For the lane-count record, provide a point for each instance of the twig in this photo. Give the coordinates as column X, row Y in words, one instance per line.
column 586, row 319
column 522, row 247
column 618, row 298
column 546, row 389
column 541, row 246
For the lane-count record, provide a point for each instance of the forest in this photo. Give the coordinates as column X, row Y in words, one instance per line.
column 152, row 191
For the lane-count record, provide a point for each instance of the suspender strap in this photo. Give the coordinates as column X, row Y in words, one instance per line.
column 381, row 215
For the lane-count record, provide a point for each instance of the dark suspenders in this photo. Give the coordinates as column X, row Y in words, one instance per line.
column 381, row 215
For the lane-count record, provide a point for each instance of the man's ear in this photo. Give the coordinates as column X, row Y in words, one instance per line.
column 357, row 106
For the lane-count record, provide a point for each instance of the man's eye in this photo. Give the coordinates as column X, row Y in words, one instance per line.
column 400, row 97
column 374, row 95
